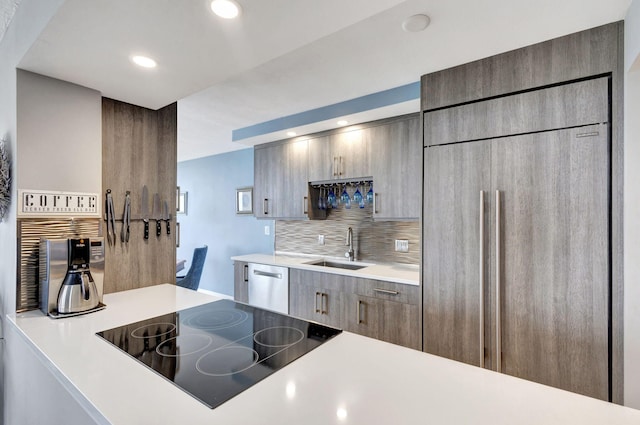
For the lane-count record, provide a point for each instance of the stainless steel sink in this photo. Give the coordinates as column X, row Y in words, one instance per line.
column 336, row 264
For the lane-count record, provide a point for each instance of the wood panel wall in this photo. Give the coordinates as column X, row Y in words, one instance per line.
column 139, row 147
column 585, row 54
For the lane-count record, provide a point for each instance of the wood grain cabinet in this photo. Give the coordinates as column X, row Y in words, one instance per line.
column 516, row 271
column 377, row 309
column 241, row 281
column 280, row 180
column 313, row 296
column 383, row 310
column 344, row 155
column 396, row 167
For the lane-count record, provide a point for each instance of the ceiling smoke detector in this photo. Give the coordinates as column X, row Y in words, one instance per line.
column 227, row 9
column 416, row 23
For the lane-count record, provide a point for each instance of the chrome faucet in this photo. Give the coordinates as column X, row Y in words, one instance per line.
column 349, row 243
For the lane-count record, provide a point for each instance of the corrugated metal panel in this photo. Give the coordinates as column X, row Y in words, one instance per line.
column 30, row 231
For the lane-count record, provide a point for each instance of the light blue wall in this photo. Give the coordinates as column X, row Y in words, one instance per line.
column 211, row 217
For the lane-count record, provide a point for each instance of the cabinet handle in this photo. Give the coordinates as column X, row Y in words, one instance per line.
column 335, row 166
column 245, row 274
column 265, row 206
column 318, row 310
column 386, row 291
column 498, row 278
column 359, row 317
column 304, row 205
column 340, row 169
column 324, row 302
column 481, row 278
column 375, row 203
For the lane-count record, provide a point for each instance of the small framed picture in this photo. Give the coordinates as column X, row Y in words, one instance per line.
column 182, row 203
column 244, row 200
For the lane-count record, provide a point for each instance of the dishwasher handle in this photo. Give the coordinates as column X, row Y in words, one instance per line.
column 267, row 274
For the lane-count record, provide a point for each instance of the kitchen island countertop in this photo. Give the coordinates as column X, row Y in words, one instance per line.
column 349, row 380
column 407, row 274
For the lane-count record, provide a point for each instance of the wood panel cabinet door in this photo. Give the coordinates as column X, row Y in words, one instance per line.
column 352, row 153
column 396, row 161
column 266, row 161
column 292, row 180
column 390, row 321
column 281, row 180
column 339, row 156
column 241, row 281
column 456, row 184
column 309, row 299
column 551, row 258
column 523, row 274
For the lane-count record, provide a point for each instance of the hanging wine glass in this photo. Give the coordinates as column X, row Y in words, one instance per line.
column 345, row 198
column 358, row 198
column 370, row 193
column 332, row 201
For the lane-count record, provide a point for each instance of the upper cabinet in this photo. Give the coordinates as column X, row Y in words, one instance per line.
column 396, row 166
column 280, row 180
column 339, row 156
column 388, row 151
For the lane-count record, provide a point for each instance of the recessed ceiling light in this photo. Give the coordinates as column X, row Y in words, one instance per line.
column 143, row 61
column 227, row 9
column 291, row 133
column 343, row 122
column 416, row 23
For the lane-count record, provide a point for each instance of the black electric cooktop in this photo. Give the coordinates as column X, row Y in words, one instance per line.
column 217, row 350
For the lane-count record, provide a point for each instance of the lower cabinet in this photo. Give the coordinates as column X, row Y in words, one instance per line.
column 377, row 309
column 314, row 302
column 241, row 281
column 389, row 321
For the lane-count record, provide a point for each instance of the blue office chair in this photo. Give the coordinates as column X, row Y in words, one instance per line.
column 192, row 279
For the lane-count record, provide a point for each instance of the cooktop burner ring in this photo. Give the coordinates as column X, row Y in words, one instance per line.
column 242, row 366
column 152, row 326
column 207, row 339
column 221, row 319
column 297, row 335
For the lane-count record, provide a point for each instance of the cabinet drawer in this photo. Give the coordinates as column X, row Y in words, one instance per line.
column 390, row 291
column 528, row 112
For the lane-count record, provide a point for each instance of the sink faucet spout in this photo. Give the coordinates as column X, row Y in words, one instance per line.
column 350, row 254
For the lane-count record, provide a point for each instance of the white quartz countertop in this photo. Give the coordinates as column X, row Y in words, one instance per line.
column 399, row 273
column 348, row 380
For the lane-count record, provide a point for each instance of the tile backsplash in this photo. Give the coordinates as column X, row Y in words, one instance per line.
column 373, row 240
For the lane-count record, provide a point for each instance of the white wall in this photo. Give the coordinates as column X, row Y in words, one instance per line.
column 59, row 135
column 28, row 22
column 43, row 134
column 632, row 208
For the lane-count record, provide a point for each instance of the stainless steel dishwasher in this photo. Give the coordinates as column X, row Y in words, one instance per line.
column 269, row 287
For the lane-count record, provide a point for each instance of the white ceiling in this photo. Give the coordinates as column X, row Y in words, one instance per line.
column 283, row 56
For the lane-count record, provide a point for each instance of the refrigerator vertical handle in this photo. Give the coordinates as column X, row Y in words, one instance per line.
column 498, row 279
column 481, row 278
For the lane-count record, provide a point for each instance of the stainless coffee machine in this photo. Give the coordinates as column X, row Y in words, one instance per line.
column 71, row 276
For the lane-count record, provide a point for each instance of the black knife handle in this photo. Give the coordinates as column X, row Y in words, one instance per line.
column 158, row 228
column 146, row 229
column 168, row 227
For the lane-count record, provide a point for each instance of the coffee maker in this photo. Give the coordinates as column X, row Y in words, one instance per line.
column 71, row 276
